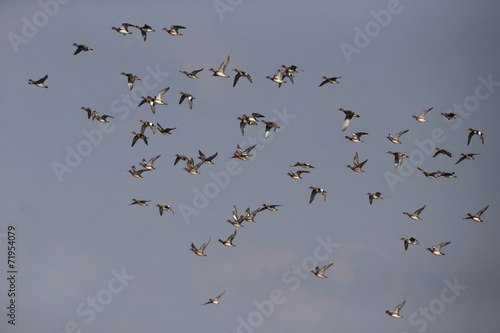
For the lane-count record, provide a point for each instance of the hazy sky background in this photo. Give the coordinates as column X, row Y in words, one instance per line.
column 76, row 231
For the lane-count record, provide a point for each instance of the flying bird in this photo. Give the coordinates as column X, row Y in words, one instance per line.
column 214, row 300
column 395, row 313
column 164, row 208
column 241, row 74
column 91, row 113
column 437, row 249
column 207, row 160
column 189, row 98
column 348, row 116
column 192, row 75
column 332, row 80
column 408, row 241
column 466, row 157
column 395, row 138
column 376, row 195
column 222, row 68
column 40, row 82
column 430, row 175
column 475, row 132
column 356, row 137
column 136, row 173
column 144, row 30
column 164, row 131
column 199, row 252
column 421, row 118
column 398, row 158
column 139, row 202
column 297, row 174
column 477, row 216
column 303, row 165
column 356, row 165
column 320, row 272
column 415, row 215
column 138, row 136
column 123, row 29
column 174, row 30
column 316, row 190
column 229, row 241
column 131, row 78
column 81, row 47
column 441, row 151
column 148, row 165
column 449, row 116
column 103, row 118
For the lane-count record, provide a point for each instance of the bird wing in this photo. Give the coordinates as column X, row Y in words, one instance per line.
column 399, row 134
column 162, row 92
column 482, row 210
column 440, row 245
column 220, row 295
column 202, row 248
column 324, row 268
column 313, row 194
column 236, row 78
column 151, row 161
column 418, row 211
column 399, row 307
column 425, row 112
column 224, row 64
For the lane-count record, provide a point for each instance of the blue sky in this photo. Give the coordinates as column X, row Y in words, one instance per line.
column 104, row 265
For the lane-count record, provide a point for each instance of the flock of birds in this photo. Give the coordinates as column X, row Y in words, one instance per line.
column 283, row 74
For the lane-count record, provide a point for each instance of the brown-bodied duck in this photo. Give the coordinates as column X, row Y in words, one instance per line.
column 220, row 72
column 348, row 116
column 395, row 313
column 174, row 30
column 81, row 47
column 415, row 215
column 475, row 132
column 408, row 241
column 357, row 167
column 200, row 252
column 123, row 29
column 436, row 250
column 148, row 165
column 332, row 80
column 239, row 74
column 469, row 156
column 144, row 30
column 314, row 191
column 476, row 217
column 395, row 138
column 356, row 137
column 40, row 82
column 193, row 74
column 421, row 118
column 229, row 241
column 187, row 96
column 131, row 79
column 320, row 272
